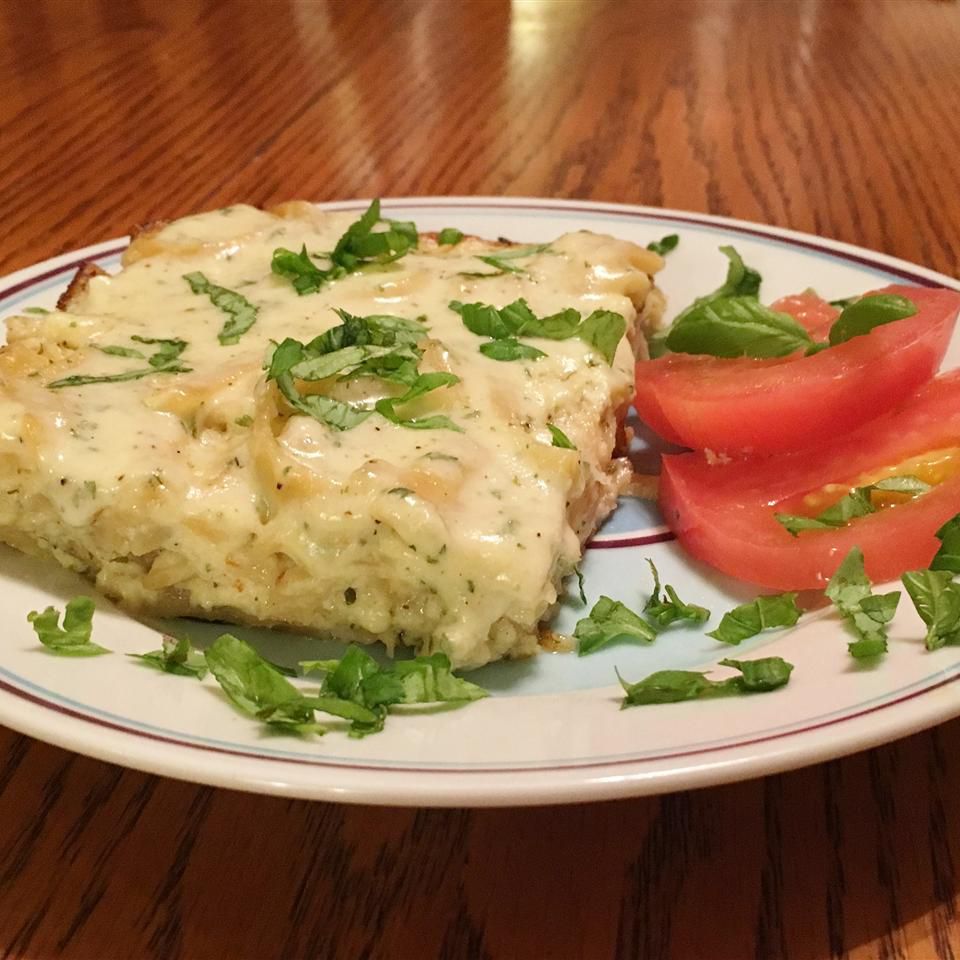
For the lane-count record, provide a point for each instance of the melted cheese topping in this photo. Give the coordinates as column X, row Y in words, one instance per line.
column 200, row 494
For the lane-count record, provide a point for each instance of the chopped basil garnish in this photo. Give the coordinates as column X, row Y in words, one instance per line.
column 502, row 261
column 449, row 236
column 937, row 600
column 166, row 359
column 861, row 316
column 866, row 614
column 257, row 688
column 360, row 246
column 359, row 680
column 664, row 245
column 73, row 638
column 948, row 556
column 425, row 383
column 668, row 608
column 379, row 346
column 607, row 621
column 559, row 438
column 671, row 686
column 510, row 349
column 749, row 619
column 603, row 329
column 242, row 313
column 177, row 657
column 741, row 281
column 580, row 582
column 857, row 503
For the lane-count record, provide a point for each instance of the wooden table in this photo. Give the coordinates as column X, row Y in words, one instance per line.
column 834, row 117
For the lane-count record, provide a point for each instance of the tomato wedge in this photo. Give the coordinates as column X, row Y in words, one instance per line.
column 747, row 406
column 723, row 514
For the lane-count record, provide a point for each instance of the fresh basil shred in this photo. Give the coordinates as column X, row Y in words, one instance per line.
column 360, row 246
column 867, row 313
column 165, row 359
column 610, row 620
column 866, row 615
column 559, row 439
column 449, row 236
column 175, row 656
column 73, row 638
column 664, row 245
column 380, row 346
column 602, row 329
column 857, row 503
column 672, row 686
column 665, row 607
column 242, row 313
column 749, row 619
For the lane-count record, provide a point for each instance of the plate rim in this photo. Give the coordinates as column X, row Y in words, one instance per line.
column 32, row 715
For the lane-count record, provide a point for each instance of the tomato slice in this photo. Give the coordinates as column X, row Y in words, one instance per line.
column 809, row 310
column 747, row 406
column 723, row 513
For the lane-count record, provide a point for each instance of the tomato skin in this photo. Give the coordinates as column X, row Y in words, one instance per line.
column 813, row 313
column 723, row 514
column 746, row 406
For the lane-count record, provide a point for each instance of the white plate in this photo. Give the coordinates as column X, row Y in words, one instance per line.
column 553, row 730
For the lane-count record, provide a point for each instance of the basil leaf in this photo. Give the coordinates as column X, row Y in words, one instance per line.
column 243, row 314
column 865, row 314
column 761, row 675
column 334, row 413
column 115, row 351
column 360, row 245
column 664, row 245
column 559, row 438
column 327, row 364
column 866, row 614
column 177, row 657
column 737, row 327
column 580, row 582
column 425, row 383
column 257, row 688
column 380, row 330
column 359, row 679
column 937, row 600
column 948, row 556
column 558, row 326
column 73, row 639
column 301, row 271
column 166, row 359
column 857, row 503
column 666, row 609
column 741, row 281
column 764, row 613
column 510, row 349
column 486, row 321
column 500, row 261
column 604, row 330
column 397, row 366
column 429, row 679
column 671, row 686
column 449, row 236
column 609, row 620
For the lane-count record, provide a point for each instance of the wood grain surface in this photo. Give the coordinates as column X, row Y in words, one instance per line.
column 835, row 117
